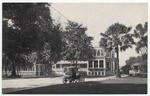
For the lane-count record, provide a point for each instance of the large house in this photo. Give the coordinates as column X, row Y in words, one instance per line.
column 102, row 65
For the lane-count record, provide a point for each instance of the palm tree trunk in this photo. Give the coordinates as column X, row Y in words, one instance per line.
column 118, row 75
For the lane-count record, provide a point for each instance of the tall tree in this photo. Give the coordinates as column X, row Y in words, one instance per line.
column 27, row 28
column 140, row 34
column 78, row 44
column 117, row 38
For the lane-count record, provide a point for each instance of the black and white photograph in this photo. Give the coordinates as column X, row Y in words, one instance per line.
column 74, row 48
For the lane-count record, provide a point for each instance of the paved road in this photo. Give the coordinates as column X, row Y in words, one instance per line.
column 10, row 85
column 126, row 80
column 38, row 82
column 126, row 85
column 21, row 84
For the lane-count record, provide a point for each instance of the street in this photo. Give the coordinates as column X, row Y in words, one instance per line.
column 101, row 85
column 11, row 85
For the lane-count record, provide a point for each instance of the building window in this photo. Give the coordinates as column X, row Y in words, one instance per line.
column 92, row 73
column 98, row 53
column 90, row 64
column 101, row 63
column 95, row 52
column 107, row 64
column 33, row 69
column 102, row 52
column 108, row 54
column 89, row 73
column 57, row 65
column 99, row 73
column 112, row 54
column 96, row 64
column 96, row 73
column 37, row 68
column 83, row 65
column 102, row 73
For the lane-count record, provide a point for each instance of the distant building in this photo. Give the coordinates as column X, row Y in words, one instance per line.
column 102, row 65
column 29, row 71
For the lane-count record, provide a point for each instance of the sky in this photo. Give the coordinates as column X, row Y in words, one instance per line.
column 97, row 17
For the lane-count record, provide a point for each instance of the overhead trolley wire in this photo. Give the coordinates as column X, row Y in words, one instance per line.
column 59, row 13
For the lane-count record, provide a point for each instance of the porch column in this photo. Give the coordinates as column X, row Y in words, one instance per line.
column 93, row 64
column 111, row 65
column 93, row 73
column 104, row 65
column 98, row 64
column 88, row 68
column 114, row 65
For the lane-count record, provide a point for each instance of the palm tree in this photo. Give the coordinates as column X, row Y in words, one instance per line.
column 140, row 34
column 117, row 38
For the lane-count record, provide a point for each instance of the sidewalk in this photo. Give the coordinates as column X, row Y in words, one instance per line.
column 30, row 82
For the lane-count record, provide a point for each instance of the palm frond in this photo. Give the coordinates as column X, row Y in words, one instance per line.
column 106, row 36
column 123, row 48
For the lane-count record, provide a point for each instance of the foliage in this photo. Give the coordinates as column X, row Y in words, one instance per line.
column 140, row 33
column 117, row 35
column 78, row 44
column 117, row 38
column 134, row 60
column 125, row 69
column 52, row 51
column 140, row 36
column 28, row 28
